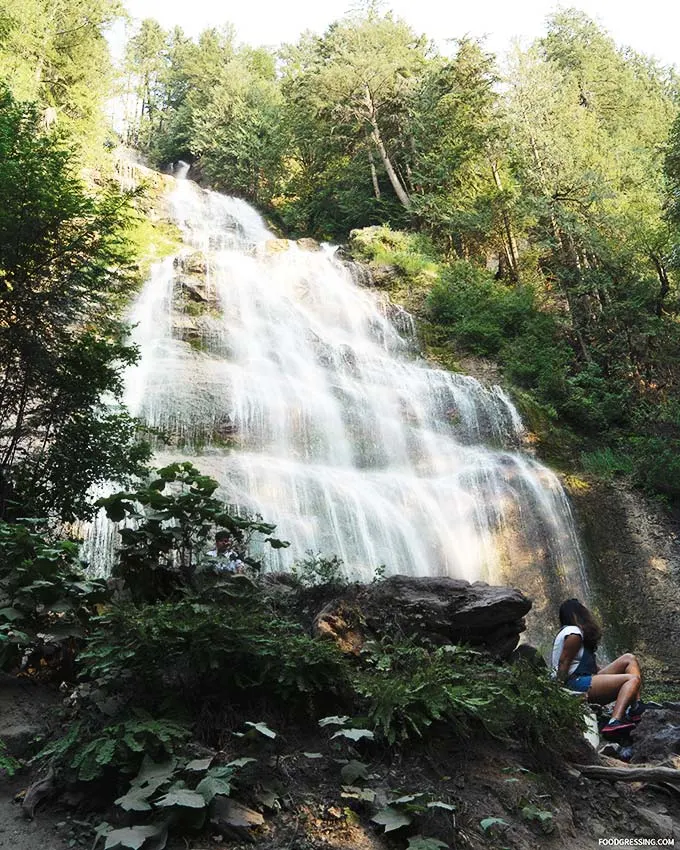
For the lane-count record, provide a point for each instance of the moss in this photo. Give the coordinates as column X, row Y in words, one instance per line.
column 151, row 241
column 438, row 347
column 557, row 445
column 195, row 309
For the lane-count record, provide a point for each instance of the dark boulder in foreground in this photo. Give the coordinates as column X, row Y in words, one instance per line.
column 439, row 610
column 657, row 736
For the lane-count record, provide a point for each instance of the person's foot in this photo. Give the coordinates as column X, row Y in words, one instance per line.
column 616, row 727
column 635, row 711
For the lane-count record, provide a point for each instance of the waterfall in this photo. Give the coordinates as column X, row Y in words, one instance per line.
column 302, row 393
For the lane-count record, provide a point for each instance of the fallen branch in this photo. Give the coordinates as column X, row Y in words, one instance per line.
column 668, row 775
column 37, row 792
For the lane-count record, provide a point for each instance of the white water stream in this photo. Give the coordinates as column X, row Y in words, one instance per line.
column 293, row 387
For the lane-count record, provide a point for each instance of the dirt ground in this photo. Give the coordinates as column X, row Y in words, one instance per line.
column 296, row 785
column 305, row 806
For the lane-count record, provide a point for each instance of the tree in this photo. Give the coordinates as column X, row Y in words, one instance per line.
column 65, row 275
column 364, row 72
column 55, row 52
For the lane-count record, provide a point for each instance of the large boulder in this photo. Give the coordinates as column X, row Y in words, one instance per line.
column 657, row 736
column 308, row 244
column 194, row 264
column 439, row 610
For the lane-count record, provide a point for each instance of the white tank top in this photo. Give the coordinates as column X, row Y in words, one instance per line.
column 559, row 644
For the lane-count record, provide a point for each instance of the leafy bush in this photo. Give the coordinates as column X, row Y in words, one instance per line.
column 8, row 764
column 87, row 752
column 170, row 520
column 412, row 253
column 539, row 712
column 481, row 312
column 408, row 687
column 45, row 598
column 315, row 570
column 195, row 651
column 656, row 463
column 606, row 463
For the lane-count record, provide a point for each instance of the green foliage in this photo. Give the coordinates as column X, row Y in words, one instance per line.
column 315, row 570
column 55, row 52
column 199, row 651
column 65, row 277
column 482, row 312
column 543, row 817
column 174, row 792
column 88, row 753
column 493, row 824
column 407, row 688
column 656, row 463
column 170, row 520
column 45, row 597
column 8, row 764
column 606, row 463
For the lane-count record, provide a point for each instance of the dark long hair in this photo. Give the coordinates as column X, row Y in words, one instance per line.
column 575, row 613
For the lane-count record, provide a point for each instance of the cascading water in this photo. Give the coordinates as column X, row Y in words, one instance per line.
column 298, row 391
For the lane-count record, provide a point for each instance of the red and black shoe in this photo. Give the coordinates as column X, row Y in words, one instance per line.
column 614, row 728
column 635, row 711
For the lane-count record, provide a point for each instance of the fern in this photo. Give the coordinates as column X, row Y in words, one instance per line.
column 8, row 764
column 407, row 688
column 89, row 754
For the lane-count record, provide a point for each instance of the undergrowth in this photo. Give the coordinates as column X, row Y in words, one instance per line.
column 186, row 654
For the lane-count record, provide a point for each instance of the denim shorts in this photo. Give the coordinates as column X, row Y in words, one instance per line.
column 580, row 683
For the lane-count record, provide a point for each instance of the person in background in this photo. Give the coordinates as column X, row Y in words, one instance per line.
column 224, row 558
column 575, row 666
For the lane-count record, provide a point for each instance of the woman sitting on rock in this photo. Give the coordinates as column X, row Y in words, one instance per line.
column 574, row 664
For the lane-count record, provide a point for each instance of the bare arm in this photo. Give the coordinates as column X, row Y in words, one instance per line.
column 570, row 648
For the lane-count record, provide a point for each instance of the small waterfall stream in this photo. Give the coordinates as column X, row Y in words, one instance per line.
column 302, row 394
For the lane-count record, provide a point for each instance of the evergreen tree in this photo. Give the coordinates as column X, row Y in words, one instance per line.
column 65, row 275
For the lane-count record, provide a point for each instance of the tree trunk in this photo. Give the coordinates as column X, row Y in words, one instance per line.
column 399, row 190
column 665, row 284
column 374, row 173
column 511, row 253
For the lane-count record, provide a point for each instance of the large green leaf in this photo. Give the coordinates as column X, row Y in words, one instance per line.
column 392, row 819
column 134, row 837
column 136, row 800
column 262, row 728
column 182, row 797
column 211, row 786
column 352, row 771
column 354, row 734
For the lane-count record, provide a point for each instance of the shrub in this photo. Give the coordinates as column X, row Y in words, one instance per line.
column 196, row 651
column 408, row 687
column 315, row 570
column 481, row 312
column 87, row 752
column 606, row 463
column 45, row 598
column 170, row 520
column 656, row 464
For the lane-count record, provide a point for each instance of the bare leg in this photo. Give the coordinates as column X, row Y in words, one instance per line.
column 622, row 687
column 627, row 663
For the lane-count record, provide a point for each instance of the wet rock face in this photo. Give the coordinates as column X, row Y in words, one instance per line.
column 634, row 570
column 308, row 244
column 441, row 610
